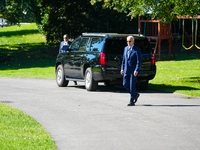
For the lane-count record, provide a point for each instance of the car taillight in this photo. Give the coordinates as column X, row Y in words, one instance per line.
column 102, row 59
column 152, row 59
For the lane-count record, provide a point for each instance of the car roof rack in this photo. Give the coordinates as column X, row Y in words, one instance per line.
column 111, row 34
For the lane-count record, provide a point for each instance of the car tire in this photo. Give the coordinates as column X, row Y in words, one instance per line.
column 142, row 85
column 90, row 83
column 60, row 77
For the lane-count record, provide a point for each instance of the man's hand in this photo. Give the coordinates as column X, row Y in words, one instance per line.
column 122, row 72
column 135, row 73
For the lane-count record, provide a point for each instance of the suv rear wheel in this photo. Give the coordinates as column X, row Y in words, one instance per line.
column 90, row 83
column 60, row 77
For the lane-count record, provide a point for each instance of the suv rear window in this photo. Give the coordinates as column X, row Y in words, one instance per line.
column 115, row 46
column 143, row 44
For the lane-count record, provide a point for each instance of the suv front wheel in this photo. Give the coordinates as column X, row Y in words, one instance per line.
column 90, row 83
column 60, row 77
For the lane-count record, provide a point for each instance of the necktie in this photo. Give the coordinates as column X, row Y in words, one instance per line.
column 129, row 51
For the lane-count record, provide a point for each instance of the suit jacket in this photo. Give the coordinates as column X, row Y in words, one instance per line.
column 61, row 45
column 133, row 63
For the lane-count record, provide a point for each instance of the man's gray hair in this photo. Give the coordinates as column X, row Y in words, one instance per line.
column 130, row 37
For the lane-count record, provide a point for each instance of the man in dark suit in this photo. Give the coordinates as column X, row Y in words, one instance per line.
column 130, row 67
column 65, row 42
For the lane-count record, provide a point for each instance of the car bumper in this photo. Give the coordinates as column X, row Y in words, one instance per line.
column 100, row 74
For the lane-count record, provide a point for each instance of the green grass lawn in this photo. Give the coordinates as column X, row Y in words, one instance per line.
column 24, row 46
column 181, row 75
column 23, row 53
column 20, row 131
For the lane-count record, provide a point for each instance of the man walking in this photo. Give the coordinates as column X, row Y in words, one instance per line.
column 130, row 67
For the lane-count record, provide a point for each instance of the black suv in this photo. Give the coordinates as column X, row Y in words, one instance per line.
column 97, row 57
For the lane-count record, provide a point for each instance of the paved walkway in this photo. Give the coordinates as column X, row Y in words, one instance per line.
column 82, row 120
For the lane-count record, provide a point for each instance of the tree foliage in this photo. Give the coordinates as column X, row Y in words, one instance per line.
column 14, row 10
column 75, row 17
column 10, row 10
column 166, row 10
column 55, row 18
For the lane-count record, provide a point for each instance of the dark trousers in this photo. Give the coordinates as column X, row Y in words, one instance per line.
column 129, row 82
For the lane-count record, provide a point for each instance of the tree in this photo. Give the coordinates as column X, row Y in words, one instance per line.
column 14, row 10
column 75, row 17
column 10, row 10
column 165, row 10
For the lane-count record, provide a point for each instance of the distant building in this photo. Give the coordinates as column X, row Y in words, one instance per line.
column 2, row 22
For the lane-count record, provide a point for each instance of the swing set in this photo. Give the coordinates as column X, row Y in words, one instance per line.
column 157, row 31
column 184, row 34
column 196, row 36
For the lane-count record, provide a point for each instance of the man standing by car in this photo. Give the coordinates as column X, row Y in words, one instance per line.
column 130, row 67
column 65, row 42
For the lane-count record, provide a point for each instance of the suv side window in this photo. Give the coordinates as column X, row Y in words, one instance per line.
column 84, row 44
column 75, row 44
column 96, row 44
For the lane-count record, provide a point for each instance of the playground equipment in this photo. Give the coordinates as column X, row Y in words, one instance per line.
column 184, row 33
column 156, row 31
column 196, row 35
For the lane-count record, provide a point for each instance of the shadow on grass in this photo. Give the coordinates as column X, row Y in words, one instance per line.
column 169, row 88
column 18, row 33
column 192, row 79
column 180, row 57
column 27, row 55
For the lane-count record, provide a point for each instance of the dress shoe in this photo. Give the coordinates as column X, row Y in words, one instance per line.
column 131, row 103
column 136, row 97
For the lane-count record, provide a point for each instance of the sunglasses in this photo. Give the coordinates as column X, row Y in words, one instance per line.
column 129, row 41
